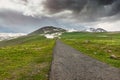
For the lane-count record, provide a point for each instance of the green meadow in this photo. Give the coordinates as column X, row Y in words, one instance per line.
column 26, row 58
column 100, row 46
column 29, row 57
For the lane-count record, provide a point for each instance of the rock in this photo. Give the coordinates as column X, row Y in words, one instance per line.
column 87, row 41
column 109, row 51
column 113, row 57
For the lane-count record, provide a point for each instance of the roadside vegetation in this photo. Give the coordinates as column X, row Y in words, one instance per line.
column 26, row 58
column 101, row 46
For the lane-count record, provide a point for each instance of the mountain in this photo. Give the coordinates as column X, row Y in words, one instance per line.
column 48, row 30
column 95, row 30
column 100, row 30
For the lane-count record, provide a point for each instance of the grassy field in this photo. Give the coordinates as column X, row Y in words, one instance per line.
column 97, row 45
column 26, row 58
column 29, row 57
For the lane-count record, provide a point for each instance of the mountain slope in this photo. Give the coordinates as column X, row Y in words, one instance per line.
column 47, row 30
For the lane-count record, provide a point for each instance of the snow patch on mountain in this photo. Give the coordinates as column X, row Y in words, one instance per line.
column 52, row 36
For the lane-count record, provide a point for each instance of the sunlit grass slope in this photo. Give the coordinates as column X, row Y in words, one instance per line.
column 26, row 58
column 97, row 45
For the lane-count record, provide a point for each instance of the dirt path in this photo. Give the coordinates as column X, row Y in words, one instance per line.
column 70, row 64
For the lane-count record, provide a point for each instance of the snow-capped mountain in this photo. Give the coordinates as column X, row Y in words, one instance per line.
column 7, row 36
column 95, row 30
column 48, row 30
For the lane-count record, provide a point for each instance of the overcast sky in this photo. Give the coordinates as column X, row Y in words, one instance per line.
column 29, row 15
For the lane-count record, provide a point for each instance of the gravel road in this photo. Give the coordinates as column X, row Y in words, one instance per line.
column 70, row 64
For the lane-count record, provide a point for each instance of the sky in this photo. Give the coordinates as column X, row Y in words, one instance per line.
column 25, row 16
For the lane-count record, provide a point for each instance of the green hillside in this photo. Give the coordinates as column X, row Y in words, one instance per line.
column 102, row 46
column 26, row 58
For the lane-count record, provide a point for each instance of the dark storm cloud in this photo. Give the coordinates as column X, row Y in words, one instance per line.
column 115, row 8
column 105, row 2
column 60, row 5
column 84, row 9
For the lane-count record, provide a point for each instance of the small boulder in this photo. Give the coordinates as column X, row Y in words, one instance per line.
column 87, row 41
column 113, row 57
column 109, row 51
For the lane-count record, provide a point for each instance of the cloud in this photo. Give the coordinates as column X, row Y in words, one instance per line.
column 17, row 22
column 81, row 10
column 28, row 15
column 12, row 5
column 84, row 10
column 27, row 7
column 77, row 10
column 114, row 26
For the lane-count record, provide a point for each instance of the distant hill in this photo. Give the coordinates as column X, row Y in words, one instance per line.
column 96, row 30
column 48, row 30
